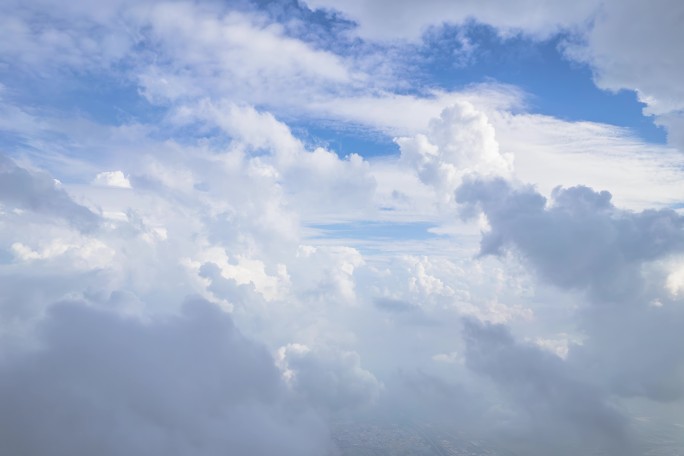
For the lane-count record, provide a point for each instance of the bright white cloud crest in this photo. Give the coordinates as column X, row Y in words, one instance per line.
column 202, row 252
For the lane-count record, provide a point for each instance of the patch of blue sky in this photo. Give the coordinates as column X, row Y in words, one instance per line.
column 11, row 141
column 454, row 57
column 321, row 28
column 104, row 96
column 376, row 231
column 344, row 140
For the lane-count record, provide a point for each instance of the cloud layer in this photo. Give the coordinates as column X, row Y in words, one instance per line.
column 233, row 228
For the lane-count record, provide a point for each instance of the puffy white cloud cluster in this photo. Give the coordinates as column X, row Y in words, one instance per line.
column 459, row 143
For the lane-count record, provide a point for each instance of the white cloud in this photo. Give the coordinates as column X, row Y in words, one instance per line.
column 112, row 179
column 361, row 260
column 234, row 54
column 550, row 152
column 460, row 142
column 88, row 254
column 311, row 178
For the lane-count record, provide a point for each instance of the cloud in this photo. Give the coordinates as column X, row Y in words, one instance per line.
column 627, row 47
column 189, row 384
column 550, row 152
column 460, row 142
column 310, row 178
column 352, row 270
column 88, row 42
column 40, row 194
column 112, row 179
column 385, row 20
column 624, row 42
column 331, row 379
column 559, row 413
column 581, row 242
column 236, row 54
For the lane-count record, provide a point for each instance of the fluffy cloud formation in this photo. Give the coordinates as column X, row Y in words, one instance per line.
column 600, row 247
column 112, row 179
column 582, row 242
column 628, row 52
column 186, row 384
column 460, row 142
column 245, row 153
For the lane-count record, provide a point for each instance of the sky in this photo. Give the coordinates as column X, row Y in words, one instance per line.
column 228, row 226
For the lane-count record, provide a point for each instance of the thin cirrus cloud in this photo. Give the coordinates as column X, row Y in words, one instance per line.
column 190, row 265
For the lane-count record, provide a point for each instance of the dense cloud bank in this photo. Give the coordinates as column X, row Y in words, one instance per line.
column 363, row 241
column 190, row 384
column 555, row 409
column 617, row 260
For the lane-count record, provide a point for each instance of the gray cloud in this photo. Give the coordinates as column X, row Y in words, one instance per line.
column 560, row 413
column 332, row 380
column 580, row 241
column 185, row 385
column 39, row 193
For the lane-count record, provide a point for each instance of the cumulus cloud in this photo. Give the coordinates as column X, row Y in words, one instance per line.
column 460, row 142
column 311, row 178
column 581, row 241
column 600, row 247
column 185, row 384
column 627, row 47
column 199, row 168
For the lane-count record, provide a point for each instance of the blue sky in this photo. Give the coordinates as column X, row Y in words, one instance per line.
column 228, row 219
